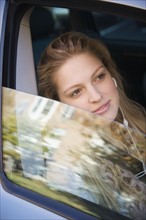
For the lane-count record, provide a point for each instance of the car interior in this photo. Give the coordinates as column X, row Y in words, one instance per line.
column 124, row 37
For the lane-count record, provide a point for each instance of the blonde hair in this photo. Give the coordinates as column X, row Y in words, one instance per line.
column 70, row 44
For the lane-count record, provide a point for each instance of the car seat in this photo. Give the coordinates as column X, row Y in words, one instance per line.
column 42, row 28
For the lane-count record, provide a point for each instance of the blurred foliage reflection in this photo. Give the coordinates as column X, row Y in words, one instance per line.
column 72, row 156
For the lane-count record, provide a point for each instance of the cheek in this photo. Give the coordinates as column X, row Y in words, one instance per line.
column 115, row 95
column 63, row 99
column 78, row 103
column 108, row 88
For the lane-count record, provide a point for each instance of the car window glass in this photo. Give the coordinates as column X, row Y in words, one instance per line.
column 124, row 37
column 72, row 156
column 126, row 41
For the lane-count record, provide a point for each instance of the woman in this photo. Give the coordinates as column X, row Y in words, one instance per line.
column 79, row 71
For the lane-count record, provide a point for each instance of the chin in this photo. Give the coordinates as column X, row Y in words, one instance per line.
column 110, row 117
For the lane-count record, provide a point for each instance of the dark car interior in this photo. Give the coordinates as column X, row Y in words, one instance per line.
column 125, row 38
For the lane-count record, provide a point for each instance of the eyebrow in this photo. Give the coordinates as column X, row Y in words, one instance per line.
column 80, row 83
column 102, row 66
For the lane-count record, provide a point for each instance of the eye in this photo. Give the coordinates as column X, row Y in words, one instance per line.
column 100, row 76
column 76, row 92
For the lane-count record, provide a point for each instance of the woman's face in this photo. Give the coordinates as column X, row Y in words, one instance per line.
column 84, row 82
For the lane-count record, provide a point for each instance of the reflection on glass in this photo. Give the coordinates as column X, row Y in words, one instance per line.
column 73, row 156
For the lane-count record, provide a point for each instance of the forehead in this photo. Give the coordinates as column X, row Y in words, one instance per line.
column 80, row 60
column 78, row 64
column 76, row 70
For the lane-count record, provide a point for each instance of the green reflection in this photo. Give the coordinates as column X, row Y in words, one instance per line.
column 41, row 188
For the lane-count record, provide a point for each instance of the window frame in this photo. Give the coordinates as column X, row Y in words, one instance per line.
column 14, row 12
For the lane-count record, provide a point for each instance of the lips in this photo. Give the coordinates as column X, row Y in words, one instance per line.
column 102, row 109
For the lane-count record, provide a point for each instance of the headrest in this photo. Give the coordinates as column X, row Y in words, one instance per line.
column 41, row 22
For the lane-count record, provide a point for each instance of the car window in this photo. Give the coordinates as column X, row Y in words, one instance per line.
column 53, row 152
column 72, row 156
column 124, row 37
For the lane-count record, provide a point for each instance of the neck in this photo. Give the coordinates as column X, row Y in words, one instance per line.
column 125, row 122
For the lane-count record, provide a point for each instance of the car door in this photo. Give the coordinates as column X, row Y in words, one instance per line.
column 43, row 165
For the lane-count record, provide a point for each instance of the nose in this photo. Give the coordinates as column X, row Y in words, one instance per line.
column 94, row 94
